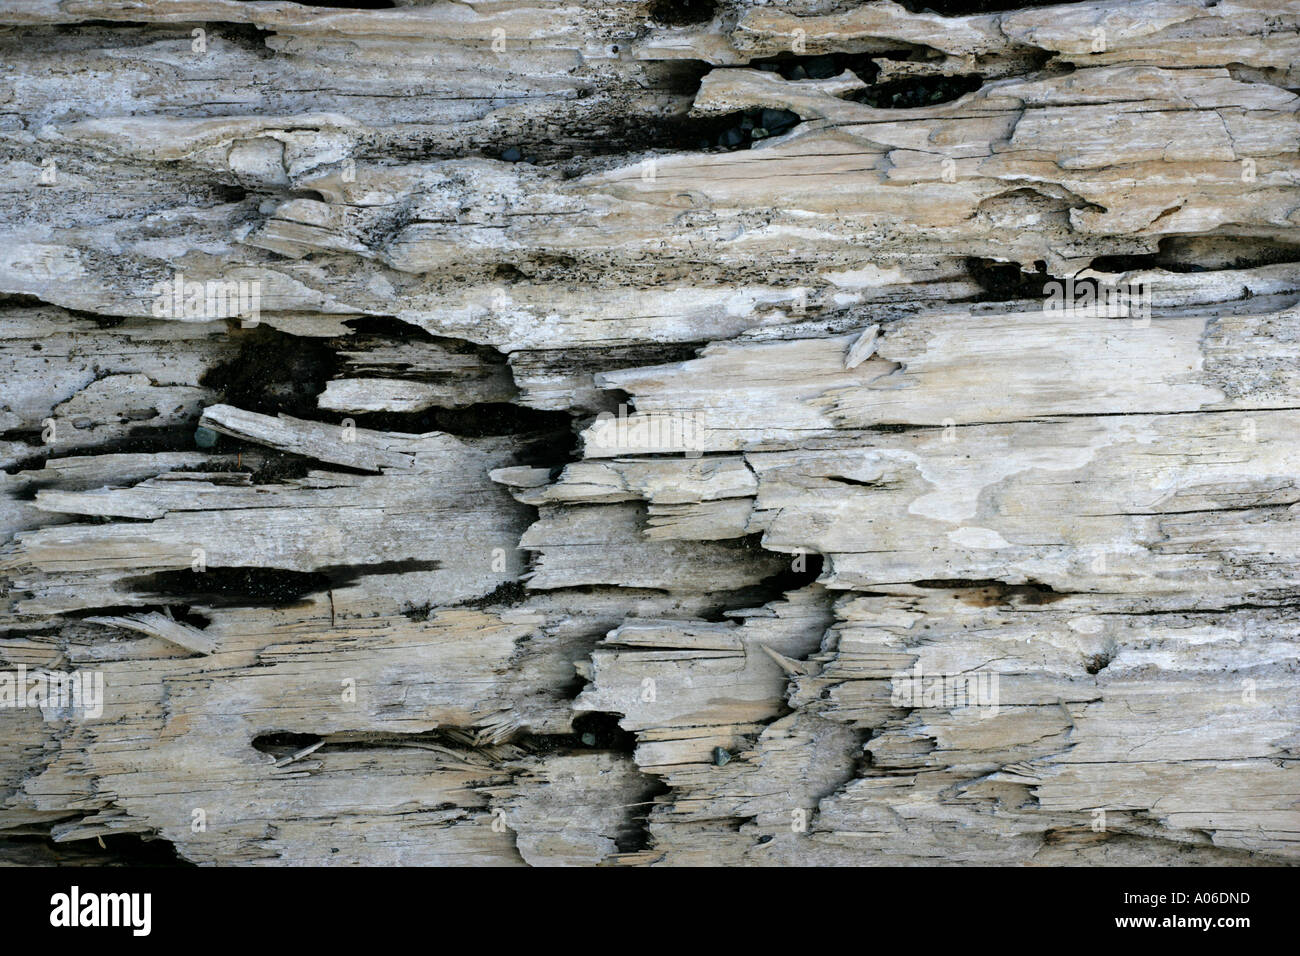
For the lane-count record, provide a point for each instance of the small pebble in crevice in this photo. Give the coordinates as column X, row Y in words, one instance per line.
column 513, row 154
column 917, row 91
column 826, row 65
column 603, row 731
column 902, row 93
column 592, row 730
column 740, row 130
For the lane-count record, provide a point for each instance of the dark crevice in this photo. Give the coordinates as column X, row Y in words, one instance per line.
column 855, row 482
column 22, row 300
column 589, row 136
column 1203, row 254
column 905, row 92
column 391, row 327
column 894, row 428
column 800, row 571
column 340, row 575
column 471, row 421
column 261, row 587
column 727, row 602
column 1132, row 263
column 223, row 587
column 507, row 272
column 675, row 132
column 541, row 437
column 117, row 850
column 1006, row 281
column 248, row 36
column 264, row 466
column 986, row 592
column 1283, row 603
column 278, row 373
column 902, row 93
column 918, row 91
column 733, row 131
column 620, row 399
column 274, row 372
column 965, row 8
column 600, row 731
column 792, row 66
column 680, row 13
column 230, row 194
column 574, row 687
column 591, row 731
column 142, row 441
column 1097, row 663
column 342, row 4
column 671, row 129
column 130, row 33
column 282, row 743
column 74, row 29
column 285, row 743
column 682, row 77
column 635, row 836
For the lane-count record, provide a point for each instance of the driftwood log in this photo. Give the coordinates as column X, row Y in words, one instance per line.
column 650, row 432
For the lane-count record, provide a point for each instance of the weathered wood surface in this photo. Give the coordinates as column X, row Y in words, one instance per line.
column 891, row 561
